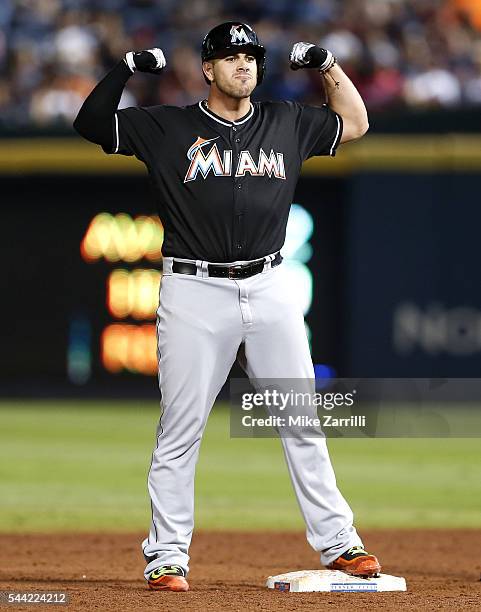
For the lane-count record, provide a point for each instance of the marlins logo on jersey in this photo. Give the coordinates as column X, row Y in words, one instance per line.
column 206, row 160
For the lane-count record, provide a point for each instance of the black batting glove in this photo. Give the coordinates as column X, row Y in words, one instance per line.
column 307, row 55
column 150, row 60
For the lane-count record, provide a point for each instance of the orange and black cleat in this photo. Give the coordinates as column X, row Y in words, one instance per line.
column 357, row 562
column 168, row 578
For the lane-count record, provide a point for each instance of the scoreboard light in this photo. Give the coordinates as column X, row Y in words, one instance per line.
column 122, row 238
column 133, row 293
column 129, row 347
column 300, row 282
column 79, row 352
column 300, row 226
column 297, row 251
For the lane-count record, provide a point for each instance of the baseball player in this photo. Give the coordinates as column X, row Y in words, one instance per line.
column 225, row 170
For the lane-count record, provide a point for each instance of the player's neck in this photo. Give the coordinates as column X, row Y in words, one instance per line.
column 227, row 107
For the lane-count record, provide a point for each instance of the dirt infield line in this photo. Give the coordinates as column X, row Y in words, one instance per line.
column 228, row 571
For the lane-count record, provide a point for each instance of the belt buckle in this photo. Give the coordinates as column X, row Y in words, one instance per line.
column 232, row 271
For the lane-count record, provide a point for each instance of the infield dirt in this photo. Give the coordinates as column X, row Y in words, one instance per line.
column 228, row 571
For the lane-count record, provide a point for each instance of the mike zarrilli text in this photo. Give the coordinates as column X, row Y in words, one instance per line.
column 327, row 420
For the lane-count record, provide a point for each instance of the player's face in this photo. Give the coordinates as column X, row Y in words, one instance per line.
column 235, row 75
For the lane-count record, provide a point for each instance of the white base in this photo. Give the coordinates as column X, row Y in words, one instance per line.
column 308, row 581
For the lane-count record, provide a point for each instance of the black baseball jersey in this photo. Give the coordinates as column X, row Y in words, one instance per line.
column 224, row 188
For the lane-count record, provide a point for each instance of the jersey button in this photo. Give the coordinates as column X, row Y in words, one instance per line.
column 239, row 186
column 237, row 139
column 234, row 129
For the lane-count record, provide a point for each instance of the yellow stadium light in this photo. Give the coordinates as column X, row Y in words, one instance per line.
column 121, row 238
column 131, row 348
column 133, row 293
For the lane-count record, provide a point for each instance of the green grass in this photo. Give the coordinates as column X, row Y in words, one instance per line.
column 83, row 466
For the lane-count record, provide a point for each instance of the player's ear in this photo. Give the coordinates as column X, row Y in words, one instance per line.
column 208, row 69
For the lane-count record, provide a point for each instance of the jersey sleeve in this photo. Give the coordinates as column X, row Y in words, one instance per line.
column 137, row 131
column 319, row 130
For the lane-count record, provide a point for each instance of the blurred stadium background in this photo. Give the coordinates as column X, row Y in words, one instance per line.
column 382, row 246
column 402, row 54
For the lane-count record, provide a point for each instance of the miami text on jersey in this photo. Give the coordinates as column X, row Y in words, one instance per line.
column 271, row 164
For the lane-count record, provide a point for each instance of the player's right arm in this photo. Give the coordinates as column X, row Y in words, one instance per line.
column 96, row 118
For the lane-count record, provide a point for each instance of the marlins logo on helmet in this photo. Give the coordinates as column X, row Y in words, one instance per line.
column 238, row 34
column 231, row 37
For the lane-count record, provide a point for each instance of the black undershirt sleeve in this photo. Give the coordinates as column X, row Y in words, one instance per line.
column 94, row 119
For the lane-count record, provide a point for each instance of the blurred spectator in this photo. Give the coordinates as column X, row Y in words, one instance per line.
column 399, row 53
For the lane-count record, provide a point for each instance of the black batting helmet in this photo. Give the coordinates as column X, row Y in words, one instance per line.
column 233, row 36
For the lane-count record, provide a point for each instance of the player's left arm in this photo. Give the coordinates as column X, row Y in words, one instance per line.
column 342, row 95
column 346, row 101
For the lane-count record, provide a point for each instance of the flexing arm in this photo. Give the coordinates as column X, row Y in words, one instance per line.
column 346, row 101
column 94, row 119
column 342, row 95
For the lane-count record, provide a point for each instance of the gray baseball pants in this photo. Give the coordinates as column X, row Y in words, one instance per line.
column 201, row 323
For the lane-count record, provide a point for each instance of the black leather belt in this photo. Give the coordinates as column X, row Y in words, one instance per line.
column 233, row 272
